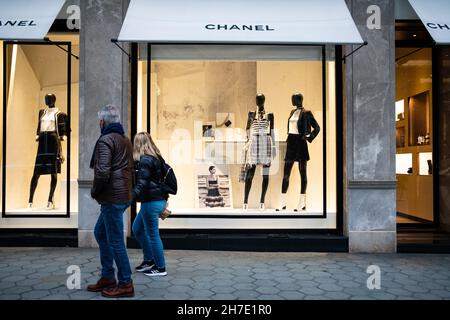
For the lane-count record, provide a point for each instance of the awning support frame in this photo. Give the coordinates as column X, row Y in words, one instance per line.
column 122, row 49
column 63, row 49
column 344, row 59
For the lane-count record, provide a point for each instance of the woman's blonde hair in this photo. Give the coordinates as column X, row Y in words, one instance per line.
column 143, row 144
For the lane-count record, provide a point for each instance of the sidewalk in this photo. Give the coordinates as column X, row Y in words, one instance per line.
column 40, row 273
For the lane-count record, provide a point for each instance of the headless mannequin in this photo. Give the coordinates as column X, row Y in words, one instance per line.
column 297, row 101
column 50, row 100
column 260, row 101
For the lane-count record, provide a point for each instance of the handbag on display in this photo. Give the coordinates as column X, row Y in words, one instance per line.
column 245, row 165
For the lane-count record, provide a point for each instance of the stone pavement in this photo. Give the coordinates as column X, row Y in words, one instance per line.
column 40, row 273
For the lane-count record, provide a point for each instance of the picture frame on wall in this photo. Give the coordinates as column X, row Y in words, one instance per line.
column 208, row 130
column 213, row 187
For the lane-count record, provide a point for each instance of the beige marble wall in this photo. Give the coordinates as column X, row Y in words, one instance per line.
column 22, row 115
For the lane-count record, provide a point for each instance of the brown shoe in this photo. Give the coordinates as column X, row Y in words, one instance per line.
column 119, row 291
column 101, row 284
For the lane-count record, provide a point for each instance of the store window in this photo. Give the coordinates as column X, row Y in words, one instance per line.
column 249, row 130
column 40, row 128
column 414, row 134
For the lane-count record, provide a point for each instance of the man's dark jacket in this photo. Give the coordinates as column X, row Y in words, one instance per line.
column 113, row 163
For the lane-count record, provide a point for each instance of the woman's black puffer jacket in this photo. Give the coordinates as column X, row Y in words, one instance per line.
column 148, row 175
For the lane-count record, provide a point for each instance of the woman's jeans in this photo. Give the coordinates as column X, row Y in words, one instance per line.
column 110, row 237
column 146, row 231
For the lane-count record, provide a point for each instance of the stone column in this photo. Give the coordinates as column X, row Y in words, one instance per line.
column 103, row 80
column 369, row 138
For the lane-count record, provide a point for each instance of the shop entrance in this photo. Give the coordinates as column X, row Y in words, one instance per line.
column 415, row 126
column 420, row 140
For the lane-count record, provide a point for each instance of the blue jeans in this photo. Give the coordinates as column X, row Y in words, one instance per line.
column 109, row 234
column 146, row 231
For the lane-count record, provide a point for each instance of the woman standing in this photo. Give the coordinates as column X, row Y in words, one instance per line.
column 153, row 202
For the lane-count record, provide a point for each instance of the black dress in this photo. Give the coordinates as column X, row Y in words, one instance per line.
column 49, row 153
column 214, row 198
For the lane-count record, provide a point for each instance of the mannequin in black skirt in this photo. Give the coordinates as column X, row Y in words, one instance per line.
column 299, row 133
column 52, row 128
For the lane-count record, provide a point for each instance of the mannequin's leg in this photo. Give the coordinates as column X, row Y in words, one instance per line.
column 53, row 183
column 285, row 185
column 248, row 182
column 33, row 185
column 304, row 182
column 265, row 183
column 286, row 174
column 303, row 176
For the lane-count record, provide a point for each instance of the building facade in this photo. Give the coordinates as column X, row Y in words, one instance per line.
column 378, row 162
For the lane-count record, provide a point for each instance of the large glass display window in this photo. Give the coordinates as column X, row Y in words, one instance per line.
column 39, row 131
column 249, row 130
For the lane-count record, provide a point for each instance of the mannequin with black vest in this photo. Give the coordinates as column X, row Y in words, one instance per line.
column 302, row 128
column 260, row 148
column 52, row 127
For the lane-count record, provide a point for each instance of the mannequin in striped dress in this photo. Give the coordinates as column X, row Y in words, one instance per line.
column 260, row 148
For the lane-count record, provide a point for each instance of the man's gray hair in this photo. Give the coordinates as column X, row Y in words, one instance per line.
column 109, row 114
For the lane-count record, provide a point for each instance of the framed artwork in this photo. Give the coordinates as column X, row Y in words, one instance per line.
column 213, row 187
column 208, row 130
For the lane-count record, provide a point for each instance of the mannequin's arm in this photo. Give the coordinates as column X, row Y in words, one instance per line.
column 63, row 124
column 249, row 123
column 38, row 130
column 315, row 126
column 102, row 169
column 272, row 134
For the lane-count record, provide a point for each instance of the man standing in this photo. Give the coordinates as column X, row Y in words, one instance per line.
column 112, row 162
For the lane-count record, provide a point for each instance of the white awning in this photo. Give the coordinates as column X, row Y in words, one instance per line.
column 238, row 21
column 27, row 19
column 435, row 15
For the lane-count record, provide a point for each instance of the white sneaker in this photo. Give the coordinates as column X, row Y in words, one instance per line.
column 50, row 206
column 262, row 207
column 245, row 207
column 30, row 205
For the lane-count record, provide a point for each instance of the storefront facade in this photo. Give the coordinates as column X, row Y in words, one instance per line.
column 197, row 100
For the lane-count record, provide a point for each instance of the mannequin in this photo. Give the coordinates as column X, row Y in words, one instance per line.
column 300, row 123
column 52, row 128
column 260, row 148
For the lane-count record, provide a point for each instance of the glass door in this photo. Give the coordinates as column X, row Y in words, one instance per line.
column 414, row 135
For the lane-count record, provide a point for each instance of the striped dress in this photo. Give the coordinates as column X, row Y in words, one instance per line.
column 260, row 148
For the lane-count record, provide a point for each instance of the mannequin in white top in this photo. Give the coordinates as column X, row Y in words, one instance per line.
column 302, row 128
column 52, row 128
